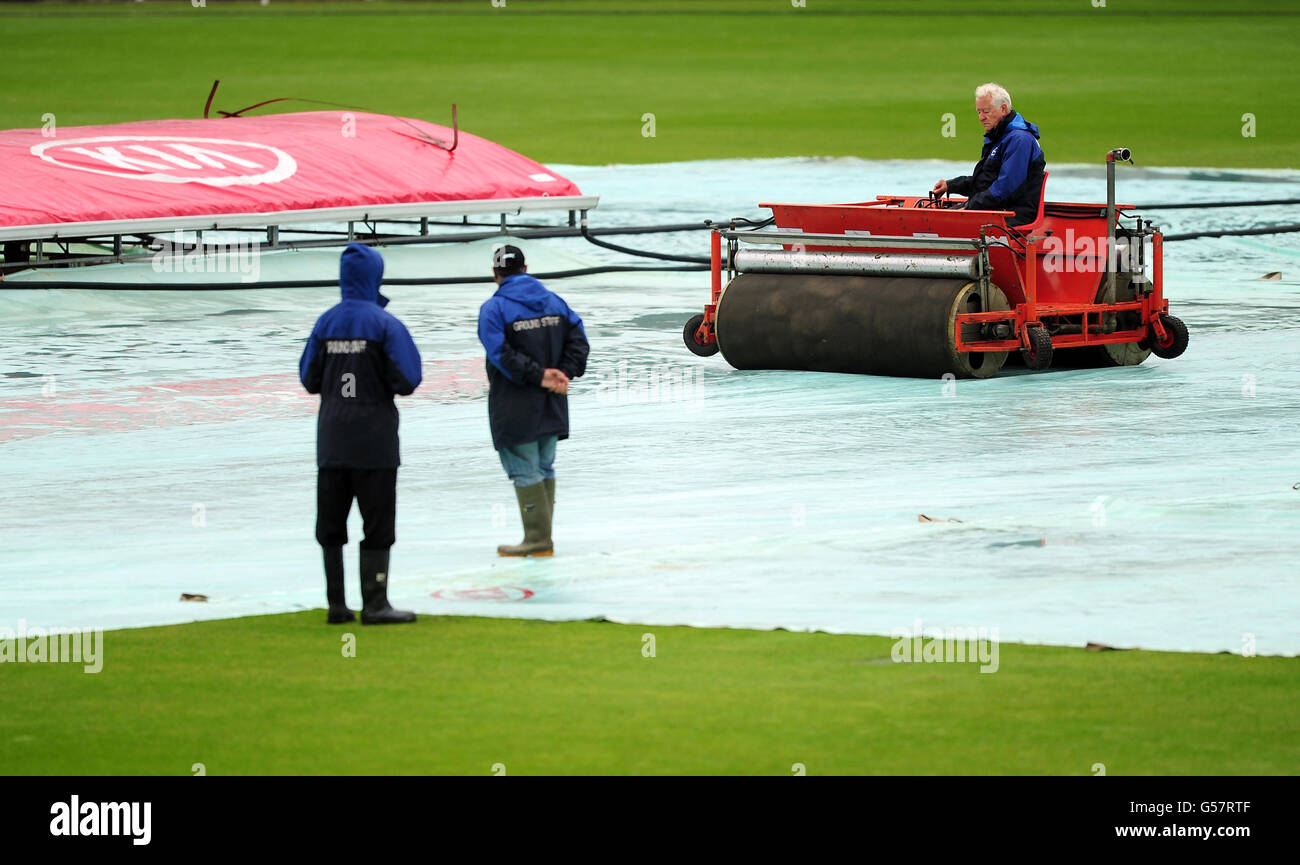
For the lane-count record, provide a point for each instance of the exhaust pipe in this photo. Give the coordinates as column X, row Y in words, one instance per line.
column 1120, row 154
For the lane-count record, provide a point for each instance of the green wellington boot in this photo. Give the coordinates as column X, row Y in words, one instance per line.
column 338, row 612
column 535, row 511
column 374, row 592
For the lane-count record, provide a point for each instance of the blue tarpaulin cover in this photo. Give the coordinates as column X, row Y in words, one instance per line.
column 154, row 443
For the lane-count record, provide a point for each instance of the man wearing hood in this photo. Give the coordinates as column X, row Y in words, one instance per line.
column 535, row 346
column 1009, row 175
column 356, row 358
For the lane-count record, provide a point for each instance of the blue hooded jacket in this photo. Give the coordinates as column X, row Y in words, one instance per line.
column 1009, row 175
column 525, row 330
column 357, row 357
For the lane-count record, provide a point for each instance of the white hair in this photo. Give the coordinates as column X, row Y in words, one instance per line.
column 998, row 93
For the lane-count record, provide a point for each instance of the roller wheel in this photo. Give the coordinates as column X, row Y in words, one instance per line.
column 1109, row 354
column 1039, row 353
column 688, row 337
column 1175, row 338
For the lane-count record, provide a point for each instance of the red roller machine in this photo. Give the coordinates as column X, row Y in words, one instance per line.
column 913, row 286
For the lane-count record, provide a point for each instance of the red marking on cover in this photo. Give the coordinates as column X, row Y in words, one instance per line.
column 493, row 593
column 200, row 401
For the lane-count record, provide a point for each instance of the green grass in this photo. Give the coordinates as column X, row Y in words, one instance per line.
column 274, row 694
column 570, row 81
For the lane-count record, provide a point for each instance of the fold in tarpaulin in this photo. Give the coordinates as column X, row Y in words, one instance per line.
column 60, row 177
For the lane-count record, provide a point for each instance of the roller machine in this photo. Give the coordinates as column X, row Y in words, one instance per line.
column 918, row 286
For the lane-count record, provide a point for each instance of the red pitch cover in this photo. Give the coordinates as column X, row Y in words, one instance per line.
column 266, row 164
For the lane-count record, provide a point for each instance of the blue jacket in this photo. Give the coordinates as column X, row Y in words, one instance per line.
column 525, row 330
column 1009, row 175
column 356, row 358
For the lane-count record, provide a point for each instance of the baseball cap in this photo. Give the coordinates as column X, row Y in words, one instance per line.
column 508, row 259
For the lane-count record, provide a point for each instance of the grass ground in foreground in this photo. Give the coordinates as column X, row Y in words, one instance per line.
column 274, row 694
column 572, row 81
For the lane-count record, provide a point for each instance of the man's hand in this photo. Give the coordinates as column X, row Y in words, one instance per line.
column 940, row 188
column 555, row 381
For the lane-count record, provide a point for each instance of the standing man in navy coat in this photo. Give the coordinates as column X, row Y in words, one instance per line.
column 535, row 346
column 357, row 358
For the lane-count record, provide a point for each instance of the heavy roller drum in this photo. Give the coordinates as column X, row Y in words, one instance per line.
column 877, row 325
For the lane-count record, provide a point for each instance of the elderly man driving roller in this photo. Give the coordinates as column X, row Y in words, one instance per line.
column 1009, row 175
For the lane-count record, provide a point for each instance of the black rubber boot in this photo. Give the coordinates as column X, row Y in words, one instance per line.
column 374, row 591
column 535, row 511
column 338, row 612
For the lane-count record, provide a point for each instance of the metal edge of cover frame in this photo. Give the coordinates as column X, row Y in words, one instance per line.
column 65, row 231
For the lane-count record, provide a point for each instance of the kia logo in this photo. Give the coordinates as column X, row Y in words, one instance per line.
column 172, row 159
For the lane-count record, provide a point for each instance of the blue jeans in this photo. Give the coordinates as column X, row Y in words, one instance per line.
column 530, row 463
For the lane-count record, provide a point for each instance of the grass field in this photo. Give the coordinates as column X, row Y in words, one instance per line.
column 274, row 694
column 571, row 81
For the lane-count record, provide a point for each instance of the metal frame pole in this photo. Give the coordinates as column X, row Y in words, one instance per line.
column 1111, row 258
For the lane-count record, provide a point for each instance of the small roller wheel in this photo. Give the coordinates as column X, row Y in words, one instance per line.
column 1039, row 353
column 703, row 349
column 1175, row 342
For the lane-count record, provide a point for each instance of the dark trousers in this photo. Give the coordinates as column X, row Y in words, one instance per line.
column 376, row 493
